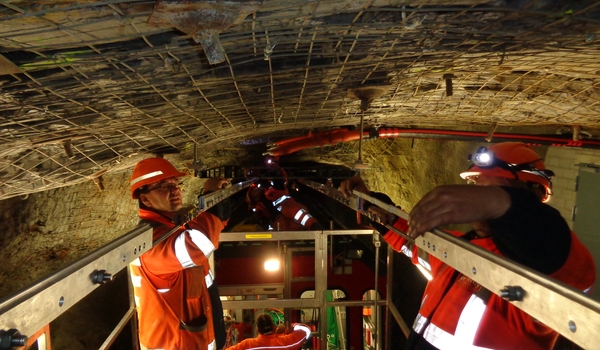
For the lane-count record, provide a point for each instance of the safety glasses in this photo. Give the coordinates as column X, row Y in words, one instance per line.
column 165, row 186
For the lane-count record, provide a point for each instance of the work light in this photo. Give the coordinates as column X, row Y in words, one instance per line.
column 483, row 157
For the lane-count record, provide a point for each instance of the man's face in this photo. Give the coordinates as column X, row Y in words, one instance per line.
column 256, row 194
column 164, row 195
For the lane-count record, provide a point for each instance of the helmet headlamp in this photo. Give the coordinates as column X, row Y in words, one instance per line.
column 485, row 159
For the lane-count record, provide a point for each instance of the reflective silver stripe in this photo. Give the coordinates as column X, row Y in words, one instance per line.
column 589, row 290
column 299, row 214
column 136, row 262
column 202, row 242
column 211, row 346
column 181, row 252
column 279, row 208
column 420, row 321
column 136, row 299
column 209, row 279
column 303, row 328
column 295, row 345
column 136, row 281
column 163, row 290
column 199, row 239
column 424, row 263
column 281, row 199
column 406, row 251
column 306, row 217
column 146, row 176
column 142, row 347
column 466, row 327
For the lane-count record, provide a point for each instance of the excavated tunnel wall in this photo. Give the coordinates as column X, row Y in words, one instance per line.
column 48, row 230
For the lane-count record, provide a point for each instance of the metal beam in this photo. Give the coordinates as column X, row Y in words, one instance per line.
column 565, row 309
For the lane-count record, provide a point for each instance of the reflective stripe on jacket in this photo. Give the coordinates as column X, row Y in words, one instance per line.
column 171, row 283
column 457, row 313
column 291, row 341
column 294, row 212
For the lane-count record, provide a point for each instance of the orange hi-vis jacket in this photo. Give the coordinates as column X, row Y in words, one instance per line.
column 294, row 216
column 171, row 283
column 457, row 313
column 292, row 341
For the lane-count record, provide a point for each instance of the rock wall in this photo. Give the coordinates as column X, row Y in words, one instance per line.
column 50, row 229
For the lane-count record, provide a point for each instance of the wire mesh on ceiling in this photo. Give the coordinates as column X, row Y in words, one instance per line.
column 89, row 88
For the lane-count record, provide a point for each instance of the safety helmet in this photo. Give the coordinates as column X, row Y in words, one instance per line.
column 251, row 192
column 151, row 170
column 511, row 160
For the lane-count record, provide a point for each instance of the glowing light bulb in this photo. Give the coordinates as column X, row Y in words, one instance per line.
column 484, row 157
column 272, row 265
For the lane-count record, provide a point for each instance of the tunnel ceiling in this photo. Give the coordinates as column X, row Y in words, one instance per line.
column 88, row 88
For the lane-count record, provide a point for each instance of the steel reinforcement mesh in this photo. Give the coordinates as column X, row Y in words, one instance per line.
column 90, row 88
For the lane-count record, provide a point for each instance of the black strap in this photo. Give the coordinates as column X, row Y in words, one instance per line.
column 198, row 325
column 217, row 314
column 416, row 341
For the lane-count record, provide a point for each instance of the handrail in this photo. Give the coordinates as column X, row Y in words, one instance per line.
column 565, row 309
column 33, row 307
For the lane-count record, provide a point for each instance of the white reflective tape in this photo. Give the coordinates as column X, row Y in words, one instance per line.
column 406, row 251
column 303, row 328
column 299, row 214
column 469, row 319
column 181, row 252
column 306, row 217
column 136, row 262
column 424, row 263
column 136, row 299
column 209, row 279
column 202, row 242
column 420, row 321
column 136, row 281
column 163, row 290
column 467, row 326
column 589, row 290
column 281, row 199
column 279, row 208
column 211, row 346
column 142, row 347
column 144, row 177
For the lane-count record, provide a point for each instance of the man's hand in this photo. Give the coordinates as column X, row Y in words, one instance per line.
column 184, row 215
column 457, row 204
column 353, row 183
column 213, row 184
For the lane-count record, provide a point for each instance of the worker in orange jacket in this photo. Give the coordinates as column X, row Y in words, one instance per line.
column 177, row 300
column 279, row 210
column 270, row 339
column 510, row 219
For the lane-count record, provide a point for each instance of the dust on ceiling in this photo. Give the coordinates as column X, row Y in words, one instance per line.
column 88, row 88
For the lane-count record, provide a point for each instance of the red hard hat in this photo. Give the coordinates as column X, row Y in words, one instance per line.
column 530, row 168
column 152, row 170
